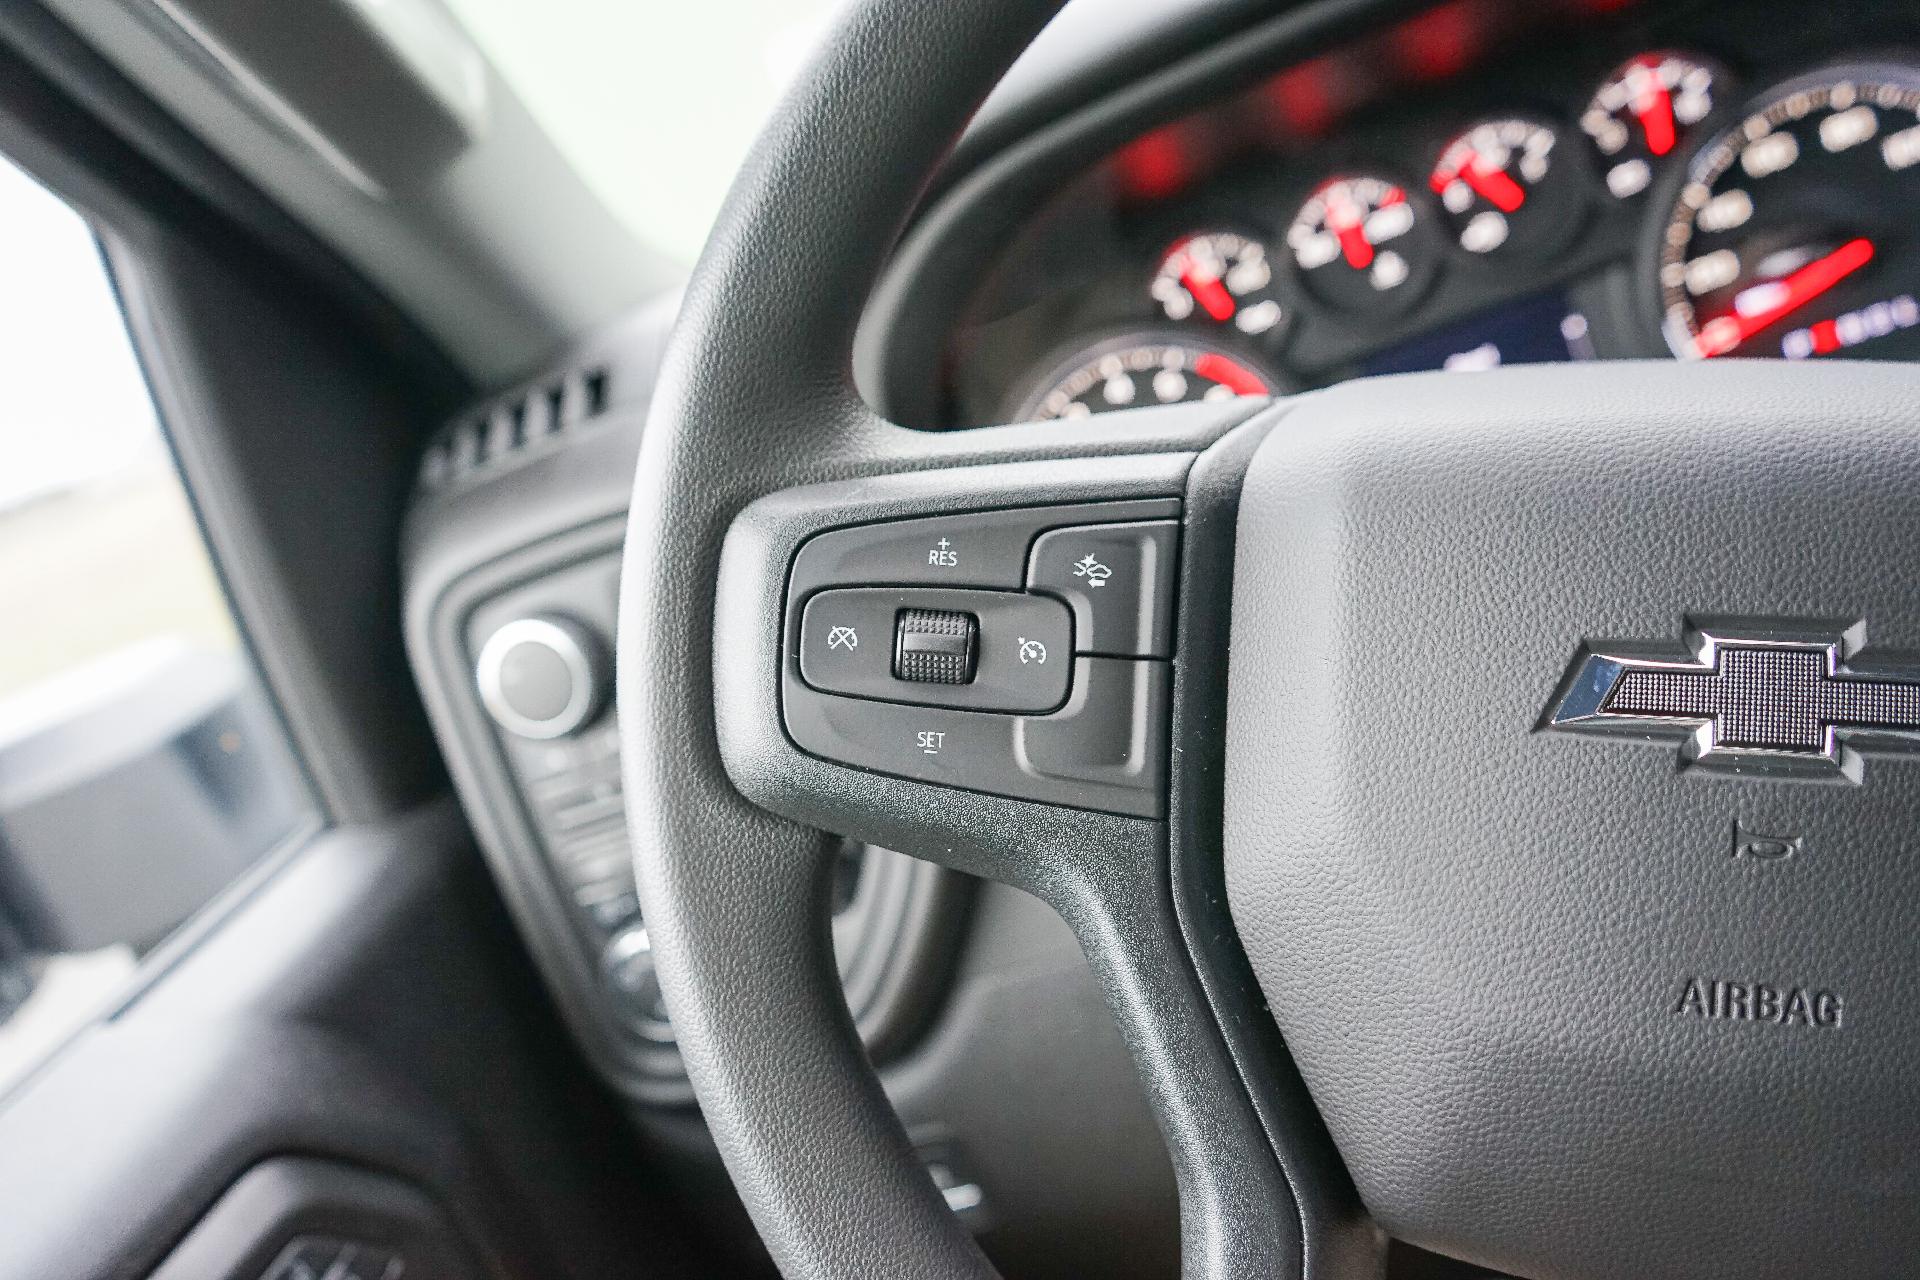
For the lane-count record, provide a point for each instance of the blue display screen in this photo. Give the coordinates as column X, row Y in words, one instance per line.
column 1543, row 329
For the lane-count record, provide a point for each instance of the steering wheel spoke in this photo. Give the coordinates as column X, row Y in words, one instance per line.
column 967, row 650
column 974, row 662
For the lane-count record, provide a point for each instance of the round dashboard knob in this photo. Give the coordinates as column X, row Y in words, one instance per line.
column 542, row 677
column 627, row 966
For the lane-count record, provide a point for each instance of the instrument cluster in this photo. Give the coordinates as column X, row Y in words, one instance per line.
column 1658, row 202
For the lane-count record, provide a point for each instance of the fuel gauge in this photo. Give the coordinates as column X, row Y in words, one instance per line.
column 1641, row 112
column 1360, row 244
column 1507, row 189
column 1219, row 277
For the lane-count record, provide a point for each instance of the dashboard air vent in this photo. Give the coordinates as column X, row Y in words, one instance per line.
column 514, row 427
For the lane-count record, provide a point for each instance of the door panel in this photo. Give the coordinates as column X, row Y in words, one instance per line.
column 363, row 1002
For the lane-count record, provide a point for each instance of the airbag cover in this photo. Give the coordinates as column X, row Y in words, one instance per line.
column 1478, row 936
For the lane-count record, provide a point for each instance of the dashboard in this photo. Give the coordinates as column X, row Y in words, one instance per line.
column 1475, row 184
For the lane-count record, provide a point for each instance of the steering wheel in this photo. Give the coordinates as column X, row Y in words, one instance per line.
column 1580, row 969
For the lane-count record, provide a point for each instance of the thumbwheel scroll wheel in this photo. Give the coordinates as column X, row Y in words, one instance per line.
column 935, row 646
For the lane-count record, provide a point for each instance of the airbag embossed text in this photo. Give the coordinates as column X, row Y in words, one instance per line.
column 1719, row 999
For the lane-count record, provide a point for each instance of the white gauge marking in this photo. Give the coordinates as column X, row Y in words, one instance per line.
column 1258, row 318
column 1849, row 128
column 1390, row 270
column 1725, row 211
column 1389, row 222
column 1484, row 232
column 1315, row 249
column 1712, row 271
column 1629, row 177
column 1769, row 154
column 1900, row 150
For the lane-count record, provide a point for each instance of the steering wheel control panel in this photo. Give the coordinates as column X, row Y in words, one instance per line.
column 1019, row 652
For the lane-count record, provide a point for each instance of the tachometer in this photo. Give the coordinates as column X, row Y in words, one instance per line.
column 1141, row 369
column 1794, row 234
column 1222, row 277
column 1360, row 244
column 1506, row 189
column 1641, row 113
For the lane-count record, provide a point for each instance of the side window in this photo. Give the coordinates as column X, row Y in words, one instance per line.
column 141, row 770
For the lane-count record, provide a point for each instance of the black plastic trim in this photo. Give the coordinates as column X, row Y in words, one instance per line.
column 1338, row 1238
column 281, row 1200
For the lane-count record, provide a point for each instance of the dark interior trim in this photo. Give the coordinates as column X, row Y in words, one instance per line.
column 295, row 398
column 336, row 1016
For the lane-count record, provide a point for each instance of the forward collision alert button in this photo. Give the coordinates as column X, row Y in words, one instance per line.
column 1118, row 579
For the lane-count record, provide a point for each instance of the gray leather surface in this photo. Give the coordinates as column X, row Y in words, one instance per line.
column 1474, row 935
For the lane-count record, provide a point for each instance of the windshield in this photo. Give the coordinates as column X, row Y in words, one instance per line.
column 655, row 104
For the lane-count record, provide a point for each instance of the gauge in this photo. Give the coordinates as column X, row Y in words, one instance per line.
column 1222, row 277
column 1360, row 244
column 1642, row 112
column 1505, row 191
column 1794, row 234
column 1139, row 370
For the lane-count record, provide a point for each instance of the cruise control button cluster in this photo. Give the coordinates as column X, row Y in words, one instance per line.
column 1019, row 652
column 1015, row 650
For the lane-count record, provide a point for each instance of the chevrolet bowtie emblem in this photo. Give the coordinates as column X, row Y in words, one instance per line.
column 1747, row 698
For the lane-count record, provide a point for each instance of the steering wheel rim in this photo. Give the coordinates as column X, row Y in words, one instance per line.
column 756, row 396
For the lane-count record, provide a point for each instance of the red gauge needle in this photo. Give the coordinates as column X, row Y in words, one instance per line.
column 1493, row 185
column 1653, row 108
column 1345, row 221
column 1210, row 294
column 1236, row 377
column 1723, row 333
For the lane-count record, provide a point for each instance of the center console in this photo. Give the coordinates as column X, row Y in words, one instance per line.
column 513, row 570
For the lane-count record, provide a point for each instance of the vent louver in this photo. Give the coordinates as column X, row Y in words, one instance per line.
column 514, row 426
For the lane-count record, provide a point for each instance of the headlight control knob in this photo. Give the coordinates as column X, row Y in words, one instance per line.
column 543, row 677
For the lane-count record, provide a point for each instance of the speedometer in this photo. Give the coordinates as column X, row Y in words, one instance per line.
column 1794, row 234
column 1137, row 370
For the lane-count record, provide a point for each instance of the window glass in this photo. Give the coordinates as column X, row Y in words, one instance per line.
column 140, row 767
column 655, row 104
